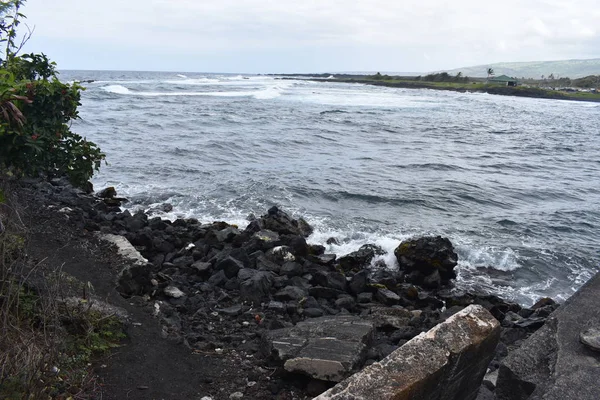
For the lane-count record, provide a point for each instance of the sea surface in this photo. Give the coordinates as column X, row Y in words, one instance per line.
column 513, row 182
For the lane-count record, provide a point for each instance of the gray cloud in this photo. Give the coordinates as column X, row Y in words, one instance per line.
column 318, row 35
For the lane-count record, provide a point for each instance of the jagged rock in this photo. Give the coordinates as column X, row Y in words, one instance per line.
column 291, row 268
column 426, row 255
column 358, row 282
column 326, row 348
column 230, row 266
column 359, row 259
column 227, row 234
column 256, row 286
column 280, row 222
column 202, row 268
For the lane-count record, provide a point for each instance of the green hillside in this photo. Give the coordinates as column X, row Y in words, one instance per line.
column 535, row 69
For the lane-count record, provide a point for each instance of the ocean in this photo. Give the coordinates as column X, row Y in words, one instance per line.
column 513, row 182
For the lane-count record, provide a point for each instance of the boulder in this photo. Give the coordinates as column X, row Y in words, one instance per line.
column 281, row 223
column 446, row 363
column 327, row 348
column 230, row 266
column 422, row 257
column 359, row 259
column 255, row 287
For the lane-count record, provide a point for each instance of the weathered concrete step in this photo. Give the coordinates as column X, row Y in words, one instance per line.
column 446, row 363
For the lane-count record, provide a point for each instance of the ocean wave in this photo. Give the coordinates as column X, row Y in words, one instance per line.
column 264, row 94
column 116, row 89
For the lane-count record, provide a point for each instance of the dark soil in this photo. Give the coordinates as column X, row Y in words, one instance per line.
column 146, row 366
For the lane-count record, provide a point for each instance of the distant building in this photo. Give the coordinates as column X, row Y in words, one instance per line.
column 503, row 80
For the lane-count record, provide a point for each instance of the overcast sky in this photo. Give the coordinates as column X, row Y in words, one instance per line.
column 257, row 36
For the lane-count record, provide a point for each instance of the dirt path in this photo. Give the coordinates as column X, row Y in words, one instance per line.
column 146, row 366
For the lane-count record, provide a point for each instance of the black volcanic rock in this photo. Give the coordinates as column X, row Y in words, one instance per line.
column 422, row 257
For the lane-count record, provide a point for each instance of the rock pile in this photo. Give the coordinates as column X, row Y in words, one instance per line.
column 263, row 291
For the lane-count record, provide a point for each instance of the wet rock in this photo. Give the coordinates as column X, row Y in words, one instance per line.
column 359, row 259
column 107, row 193
column 427, row 255
column 325, row 348
column 546, row 301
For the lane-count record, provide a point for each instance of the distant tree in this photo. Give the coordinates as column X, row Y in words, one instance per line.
column 551, row 76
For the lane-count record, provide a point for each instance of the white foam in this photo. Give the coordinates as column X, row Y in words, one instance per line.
column 502, row 259
column 182, row 76
column 117, row 89
column 351, row 240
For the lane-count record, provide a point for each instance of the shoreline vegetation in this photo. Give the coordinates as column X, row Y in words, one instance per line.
column 530, row 88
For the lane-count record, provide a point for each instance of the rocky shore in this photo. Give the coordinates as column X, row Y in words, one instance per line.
column 245, row 294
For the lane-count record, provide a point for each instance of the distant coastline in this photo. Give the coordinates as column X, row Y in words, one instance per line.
column 463, row 87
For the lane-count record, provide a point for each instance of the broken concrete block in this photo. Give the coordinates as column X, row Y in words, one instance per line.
column 446, row 363
column 327, row 348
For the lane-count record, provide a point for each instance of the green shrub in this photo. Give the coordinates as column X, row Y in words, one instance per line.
column 36, row 110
